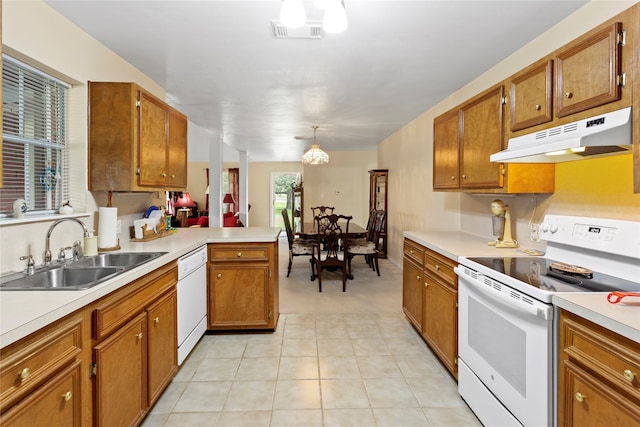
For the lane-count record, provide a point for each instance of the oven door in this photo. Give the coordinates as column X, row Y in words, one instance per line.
column 505, row 339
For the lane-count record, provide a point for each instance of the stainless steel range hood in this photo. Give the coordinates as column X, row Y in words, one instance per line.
column 604, row 135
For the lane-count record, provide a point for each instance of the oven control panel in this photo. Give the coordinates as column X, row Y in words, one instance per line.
column 607, row 235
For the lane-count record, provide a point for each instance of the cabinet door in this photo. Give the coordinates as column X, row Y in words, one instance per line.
column 446, row 164
column 531, row 96
column 120, row 384
column 584, row 401
column 177, row 151
column 152, row 149
column 57, row 402
column 482, row 135
column 587, row 73
column 440, row 325
column 239, row 296
column 412, row 285
column 162, row 332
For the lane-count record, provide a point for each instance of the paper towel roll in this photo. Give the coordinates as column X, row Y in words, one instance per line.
column 107, row 228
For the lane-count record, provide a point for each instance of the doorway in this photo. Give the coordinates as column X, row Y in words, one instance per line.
column 281, row 186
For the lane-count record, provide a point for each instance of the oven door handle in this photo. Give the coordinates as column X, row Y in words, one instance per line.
column 504, row 299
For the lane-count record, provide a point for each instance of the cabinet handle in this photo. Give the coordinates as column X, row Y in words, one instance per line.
column 628, row 375
column 464, row 176
column 67, row 396
column 437, row 267
column 164, row 175
column 24, row 374
column 453, row 178
column 410, row 251
column 580, row 397
column 538, row 107
column 239, row 254
column 568, row 95
column 173, row 177
column 417, row 277
column 426, row 285
column 219, row 276
column 139, row 335
column 156, row 320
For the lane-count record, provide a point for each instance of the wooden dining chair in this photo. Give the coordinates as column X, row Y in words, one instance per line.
column 297, row 247
column 329, row 251
column 369, row 247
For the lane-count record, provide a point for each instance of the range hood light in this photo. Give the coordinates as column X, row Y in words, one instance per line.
column 578, row 149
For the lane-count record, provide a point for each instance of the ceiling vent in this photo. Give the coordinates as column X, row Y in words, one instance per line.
column 310, row 30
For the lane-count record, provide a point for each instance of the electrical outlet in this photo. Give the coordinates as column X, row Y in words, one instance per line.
column 119, row 227
column 534, row 232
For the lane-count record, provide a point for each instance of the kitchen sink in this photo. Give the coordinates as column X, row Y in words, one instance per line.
column 62, row 277
column 125, row 259
column 77, row 275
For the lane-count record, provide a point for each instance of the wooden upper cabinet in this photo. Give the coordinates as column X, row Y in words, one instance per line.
column 588, row 72
column 177, row 150
column 136, row 141
column 152, row 153
column 531, row 96
column 446, row 166
column 481, row 135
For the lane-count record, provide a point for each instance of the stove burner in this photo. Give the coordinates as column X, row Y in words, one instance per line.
column 571, row 270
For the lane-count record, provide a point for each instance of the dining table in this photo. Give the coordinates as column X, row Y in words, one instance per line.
column 309, row 230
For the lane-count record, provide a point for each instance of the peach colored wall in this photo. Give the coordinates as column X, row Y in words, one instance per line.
column 408, row 156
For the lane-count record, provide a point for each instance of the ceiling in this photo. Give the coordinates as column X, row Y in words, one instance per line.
column 222, row 66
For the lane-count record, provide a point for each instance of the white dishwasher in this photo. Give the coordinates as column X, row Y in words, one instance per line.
column 192, row 300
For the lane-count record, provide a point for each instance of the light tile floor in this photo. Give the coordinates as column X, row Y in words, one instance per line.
column 336, row 359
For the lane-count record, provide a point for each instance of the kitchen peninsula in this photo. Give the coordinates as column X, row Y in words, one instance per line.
column 50, row 338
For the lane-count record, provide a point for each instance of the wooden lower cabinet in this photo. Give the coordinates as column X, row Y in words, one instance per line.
column 56, row 403
column 40, row 376
column 162, row 333
column 430, row 300
column 243, row 286
column 135, row 347
column 598, row 376
column 120, row 378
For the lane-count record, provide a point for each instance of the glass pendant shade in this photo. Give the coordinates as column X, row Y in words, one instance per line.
column 315, row 156
column 335, row 17
column 292, row 13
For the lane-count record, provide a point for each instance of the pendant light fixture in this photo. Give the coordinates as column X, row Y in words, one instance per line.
column 315, row 155
column 293, row 15
column 335, row 17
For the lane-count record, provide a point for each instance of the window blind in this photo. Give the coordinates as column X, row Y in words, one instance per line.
column 35, row 164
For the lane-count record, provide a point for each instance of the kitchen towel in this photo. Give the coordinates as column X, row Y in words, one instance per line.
column 107, row 228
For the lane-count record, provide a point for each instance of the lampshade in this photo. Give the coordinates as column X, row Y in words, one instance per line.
column 315, row 155
column 184, row 201
column 228, row 198
column 335, row 17
column 292, row 13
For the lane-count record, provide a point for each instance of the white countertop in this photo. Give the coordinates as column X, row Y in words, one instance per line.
column 621, row 318
column 24, row 312
column 453, row 244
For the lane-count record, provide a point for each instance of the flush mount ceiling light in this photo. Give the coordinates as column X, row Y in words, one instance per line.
column 315, row 155
column 293, row 15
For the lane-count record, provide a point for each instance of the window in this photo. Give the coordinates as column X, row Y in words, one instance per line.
column 34, row 156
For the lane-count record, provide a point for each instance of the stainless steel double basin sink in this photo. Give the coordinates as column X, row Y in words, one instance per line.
column 77, row 275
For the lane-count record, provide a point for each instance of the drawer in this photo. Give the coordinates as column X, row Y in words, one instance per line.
column 441, row 266
column 42, row 355
column 614, row 358
column 56, row 402
column 241, row 252
column 414, row 251
column 118, row 308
